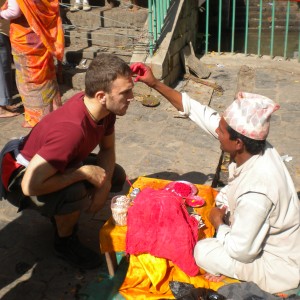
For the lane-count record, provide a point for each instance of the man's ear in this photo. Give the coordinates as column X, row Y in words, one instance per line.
column 100, row 96
column 239, row 144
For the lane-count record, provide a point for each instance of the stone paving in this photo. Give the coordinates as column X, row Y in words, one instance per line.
column 150, row 142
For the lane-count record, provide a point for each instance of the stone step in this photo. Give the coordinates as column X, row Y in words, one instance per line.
column 124, row 38
column 75, row 54
column 78, row 59
column 103, row 29
column 74, row 79
column 107, row 18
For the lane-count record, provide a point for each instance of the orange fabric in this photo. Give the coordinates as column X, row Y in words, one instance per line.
column 44, row 19
column 148, row 277
column 112, row 237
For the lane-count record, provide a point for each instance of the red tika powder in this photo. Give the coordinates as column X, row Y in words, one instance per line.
column 182, row 189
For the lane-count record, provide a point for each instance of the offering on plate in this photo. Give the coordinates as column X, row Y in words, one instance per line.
column 186, row 190
column 194, row 201
column 183, row 189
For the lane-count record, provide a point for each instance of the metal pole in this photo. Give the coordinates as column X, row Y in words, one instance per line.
column 272, row 29
column 286, row 28
column 168, row 3
column 164, row 8
column 220, row 26
column 233, row 25
column 159, row 16
column 206, row 26
column 154, row 5
column 246, row 26
column 150, row 27
column 299, row 46
column 259, row 27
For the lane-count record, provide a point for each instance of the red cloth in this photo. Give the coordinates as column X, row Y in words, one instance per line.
column 9, row 166
column 66, row 136
column 158, row 223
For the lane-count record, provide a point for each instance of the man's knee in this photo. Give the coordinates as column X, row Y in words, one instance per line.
column 65, row 201
column 205, row 254
column 200, row 253
column 211, row 256
column 118, row 179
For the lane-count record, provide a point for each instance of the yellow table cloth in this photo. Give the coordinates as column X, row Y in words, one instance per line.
column 148, row 277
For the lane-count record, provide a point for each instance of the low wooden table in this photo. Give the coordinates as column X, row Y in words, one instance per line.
column 113, row 238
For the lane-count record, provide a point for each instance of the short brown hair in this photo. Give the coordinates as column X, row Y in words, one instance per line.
column 103, row 70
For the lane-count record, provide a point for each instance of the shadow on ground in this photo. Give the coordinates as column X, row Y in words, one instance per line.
column 193, row 177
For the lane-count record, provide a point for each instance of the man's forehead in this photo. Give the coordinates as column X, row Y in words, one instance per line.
column 122, row 81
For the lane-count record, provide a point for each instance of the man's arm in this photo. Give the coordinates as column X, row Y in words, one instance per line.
column 106, row 160
column 12, row 11
column 245, row 238
column 107, row 155
column 42, row 178
column 145, row 75
column 204, row 116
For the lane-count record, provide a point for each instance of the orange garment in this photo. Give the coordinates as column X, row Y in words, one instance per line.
column 36, row 38
column 44, row 19
column 148, row 277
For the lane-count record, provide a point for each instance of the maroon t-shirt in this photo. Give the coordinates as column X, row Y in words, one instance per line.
column 66, row 136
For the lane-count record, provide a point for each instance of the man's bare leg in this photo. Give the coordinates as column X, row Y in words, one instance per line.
column 67, row 245
column 6, row 113
column 135, row 5
column 66, row 223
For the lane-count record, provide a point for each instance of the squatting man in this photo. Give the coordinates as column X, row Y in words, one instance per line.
column 51, row 169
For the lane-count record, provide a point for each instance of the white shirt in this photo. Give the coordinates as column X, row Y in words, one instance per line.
column 264, row 207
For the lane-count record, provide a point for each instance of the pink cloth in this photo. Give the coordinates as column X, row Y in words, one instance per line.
column 250, row 115
column 159, row 224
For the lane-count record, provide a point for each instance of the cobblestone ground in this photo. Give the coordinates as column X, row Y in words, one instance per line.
column 150, row 142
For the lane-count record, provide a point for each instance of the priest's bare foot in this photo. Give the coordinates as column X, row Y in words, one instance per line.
column 214, row 278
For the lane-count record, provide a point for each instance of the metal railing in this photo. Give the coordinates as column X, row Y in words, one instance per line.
column 269, row 32
column 157, row 10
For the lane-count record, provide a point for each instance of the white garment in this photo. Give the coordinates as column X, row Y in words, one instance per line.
column 263, row 242
column 4, row 24
column 13, row 11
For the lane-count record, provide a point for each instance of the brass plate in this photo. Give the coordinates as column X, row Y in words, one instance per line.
column 150, row 101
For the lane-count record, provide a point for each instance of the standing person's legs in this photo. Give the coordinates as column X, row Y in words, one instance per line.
column 80, row 4
column 5, row 78
column 36, row 82
column 135, row 5
column 113, row 3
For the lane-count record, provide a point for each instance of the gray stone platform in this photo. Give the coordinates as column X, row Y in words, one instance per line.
column 150, row 142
